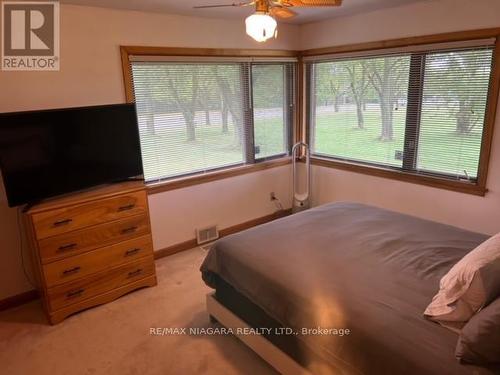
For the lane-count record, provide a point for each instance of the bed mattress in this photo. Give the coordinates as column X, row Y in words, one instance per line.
column 351, row 266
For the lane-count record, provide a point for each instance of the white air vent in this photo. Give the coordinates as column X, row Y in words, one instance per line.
column 207, row 234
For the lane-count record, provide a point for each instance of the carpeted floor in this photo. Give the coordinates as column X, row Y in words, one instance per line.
column 115, row 338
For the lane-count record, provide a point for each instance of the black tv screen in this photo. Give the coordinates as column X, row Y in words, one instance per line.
column 53, row 152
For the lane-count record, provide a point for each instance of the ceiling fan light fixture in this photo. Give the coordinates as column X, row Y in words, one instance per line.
column 261, row 26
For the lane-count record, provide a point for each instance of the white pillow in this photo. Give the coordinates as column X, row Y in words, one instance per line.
column 471, row 284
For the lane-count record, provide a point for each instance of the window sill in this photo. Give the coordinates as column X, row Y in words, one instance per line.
column 436, row 182
column 160, row 187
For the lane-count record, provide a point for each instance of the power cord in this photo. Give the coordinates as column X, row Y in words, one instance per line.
column 21, row 241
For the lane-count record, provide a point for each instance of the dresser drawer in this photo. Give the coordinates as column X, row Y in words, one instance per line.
column 78, row 266
column 70, row 244
column 76, row 291
column 67, row 219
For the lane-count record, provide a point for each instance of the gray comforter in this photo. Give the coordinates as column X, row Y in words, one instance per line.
column 353, row 266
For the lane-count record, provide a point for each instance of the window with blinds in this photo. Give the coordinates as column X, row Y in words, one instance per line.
column 196, row 117
column 421, row 111
column 272, row 109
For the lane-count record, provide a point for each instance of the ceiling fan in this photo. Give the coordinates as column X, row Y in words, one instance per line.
column 262, row 24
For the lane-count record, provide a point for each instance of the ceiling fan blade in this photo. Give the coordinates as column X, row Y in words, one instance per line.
column 311, row 3
column 283, row 13
column 224, row 5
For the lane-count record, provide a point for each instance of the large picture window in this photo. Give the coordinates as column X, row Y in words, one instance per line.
column 200, row 115
column 420, row 112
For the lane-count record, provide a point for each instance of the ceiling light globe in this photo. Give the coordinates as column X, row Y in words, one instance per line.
column 261, row 26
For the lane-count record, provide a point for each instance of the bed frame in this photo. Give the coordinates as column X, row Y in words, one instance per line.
column 283, row 363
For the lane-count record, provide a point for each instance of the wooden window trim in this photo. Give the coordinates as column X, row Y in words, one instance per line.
column 400, row 175
column 127, row 51
column 477, row 188
column 405, row 42
column 183, row 182
column 300, row 128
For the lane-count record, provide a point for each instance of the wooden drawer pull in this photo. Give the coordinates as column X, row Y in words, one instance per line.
column 71, row 271
column 137, row 272
column 129, row 230
column 126, row 208
column 132, row 252
column 75, row 293
column 62, row 222
column 67, row 247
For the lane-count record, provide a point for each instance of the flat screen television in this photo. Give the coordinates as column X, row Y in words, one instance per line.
column 52, row 152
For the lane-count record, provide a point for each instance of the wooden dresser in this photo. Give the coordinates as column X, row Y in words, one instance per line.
column 91, row 248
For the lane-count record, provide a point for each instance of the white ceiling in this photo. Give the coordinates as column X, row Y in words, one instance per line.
column 185, row 7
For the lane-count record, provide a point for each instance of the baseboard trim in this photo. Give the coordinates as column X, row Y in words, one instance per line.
column 18, row 299
column 186, row 245
column 31, row 295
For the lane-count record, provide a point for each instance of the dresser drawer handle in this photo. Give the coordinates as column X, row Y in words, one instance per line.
column 137, row 272
column 75, row 293
column 71, row 271
column 67, row 247
column 126, row 208
column 129, row 230
column 132, row 252
column 60, row 223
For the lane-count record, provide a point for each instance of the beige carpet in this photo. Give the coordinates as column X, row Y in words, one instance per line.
column 115, row 338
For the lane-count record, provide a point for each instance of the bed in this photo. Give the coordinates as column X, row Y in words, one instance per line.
column 344, row 266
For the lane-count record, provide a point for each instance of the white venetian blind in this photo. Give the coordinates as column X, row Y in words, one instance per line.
column 191, row 116
column 272, row 99
column 358, row 108
column 454, row 99
column 420, row 109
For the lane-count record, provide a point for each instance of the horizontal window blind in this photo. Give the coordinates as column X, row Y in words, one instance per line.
column 191, row 117
column 421, row 112
column 272, row 88
column 196, row 117
column 454, row 97
column 358, row 109
column 406, row 50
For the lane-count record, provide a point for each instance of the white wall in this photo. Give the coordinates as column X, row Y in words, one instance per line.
column 227, row 202
column 91, row 74
column 480, row 214
column 422, row 18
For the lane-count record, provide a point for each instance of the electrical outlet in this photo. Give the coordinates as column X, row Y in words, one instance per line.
column 272, row 196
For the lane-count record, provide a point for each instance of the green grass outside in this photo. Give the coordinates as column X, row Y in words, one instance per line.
column 441, row 149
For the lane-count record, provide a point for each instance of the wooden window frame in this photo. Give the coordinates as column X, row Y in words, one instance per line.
column 300, row 129
column 477, row 187
column 184, row 181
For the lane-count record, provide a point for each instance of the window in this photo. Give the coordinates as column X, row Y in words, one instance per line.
column 454, row 97
column 272, row 99
column 200, row 115
column 419, row 112
column 359, row 109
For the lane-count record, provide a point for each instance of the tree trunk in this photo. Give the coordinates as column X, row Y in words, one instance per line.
column 387, row 133
column 234, row 109
column 225, row 114
column 207, row 116
column 190, row 127
column 464, row 119
column 336, row 103
column 359, row 112
column 237, row 117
